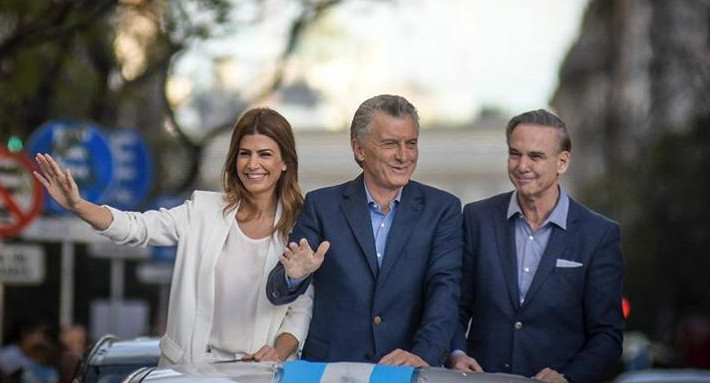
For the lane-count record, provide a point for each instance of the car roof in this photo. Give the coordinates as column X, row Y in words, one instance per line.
column 664, row 376
column 109, row 350
column 252, row 372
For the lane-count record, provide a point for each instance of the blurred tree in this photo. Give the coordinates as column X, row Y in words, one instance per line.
column 635, row 91
column 108, row 61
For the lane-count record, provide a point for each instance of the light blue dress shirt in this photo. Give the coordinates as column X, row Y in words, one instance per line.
column 381, row 222
column 529, row 245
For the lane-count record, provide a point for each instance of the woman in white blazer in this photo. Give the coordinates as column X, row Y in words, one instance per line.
column 226, row 245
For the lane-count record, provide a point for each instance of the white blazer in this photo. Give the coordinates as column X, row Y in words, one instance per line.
column 199, row 227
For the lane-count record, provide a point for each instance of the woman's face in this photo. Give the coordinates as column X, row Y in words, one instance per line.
column 259, row 164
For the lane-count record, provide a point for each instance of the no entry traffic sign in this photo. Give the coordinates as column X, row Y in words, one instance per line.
column 20, row 193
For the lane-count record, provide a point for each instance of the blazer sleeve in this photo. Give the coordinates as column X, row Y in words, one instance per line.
column 298, row 317
column 161, row 227
column 277, row 290
column 443, row 276
column 467, row 283
column 604, row 321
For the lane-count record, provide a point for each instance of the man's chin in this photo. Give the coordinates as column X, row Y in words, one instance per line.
column 400, row 181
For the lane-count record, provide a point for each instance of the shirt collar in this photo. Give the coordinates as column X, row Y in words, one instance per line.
column 558, row 215
column 371, row 201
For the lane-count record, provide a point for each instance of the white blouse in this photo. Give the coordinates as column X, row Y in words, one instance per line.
column 237, row 291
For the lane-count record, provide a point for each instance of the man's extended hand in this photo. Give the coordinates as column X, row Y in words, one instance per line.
column 400, row 357
column 300, row 261
column 463, row 362
column 549, row 375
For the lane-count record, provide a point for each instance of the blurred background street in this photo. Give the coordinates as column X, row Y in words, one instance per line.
column 138, row 98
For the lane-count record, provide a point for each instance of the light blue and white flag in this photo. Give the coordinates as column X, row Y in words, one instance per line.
column 300, row 371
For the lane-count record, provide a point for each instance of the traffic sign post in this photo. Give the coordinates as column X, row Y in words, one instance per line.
column 19, row 264
column 20, row 193
column 134, row 169
column 82, row 148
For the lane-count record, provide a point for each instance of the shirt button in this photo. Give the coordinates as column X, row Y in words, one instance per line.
column 527, row 269
column 382, row 224
column 379, row 255
column 518, row 325
column 531, row 238
column 377, row 319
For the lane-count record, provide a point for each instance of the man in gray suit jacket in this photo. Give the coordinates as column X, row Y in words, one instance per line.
column 388, row 289
column 542, row 274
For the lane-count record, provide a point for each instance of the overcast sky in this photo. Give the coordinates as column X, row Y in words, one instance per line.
column 449, row 58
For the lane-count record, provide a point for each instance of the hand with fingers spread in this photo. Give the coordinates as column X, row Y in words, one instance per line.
column 61, row 187
column 551, row 376
column 401, row 357
column 58, row 182
column 300, row 261
column 465, row 363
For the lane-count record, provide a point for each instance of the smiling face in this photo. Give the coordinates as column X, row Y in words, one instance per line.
column 388, row 153
column 535, row 161
column 259, row 164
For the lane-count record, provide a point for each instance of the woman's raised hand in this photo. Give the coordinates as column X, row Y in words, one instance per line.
column 61, row 186
column 58, row 182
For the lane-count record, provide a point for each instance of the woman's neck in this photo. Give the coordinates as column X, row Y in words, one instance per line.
column 260, row 206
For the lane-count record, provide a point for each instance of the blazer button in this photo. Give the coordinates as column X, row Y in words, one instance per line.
column 506, row 366
column 275, row 294
column 518, row 325
column 377, row 319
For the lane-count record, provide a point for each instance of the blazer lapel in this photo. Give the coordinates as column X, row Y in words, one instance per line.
column 505, row 238
column 408, row 213
column 218, row 235
column 556, row 246
column 354, row 207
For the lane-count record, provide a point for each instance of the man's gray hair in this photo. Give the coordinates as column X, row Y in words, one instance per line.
column 395, row 106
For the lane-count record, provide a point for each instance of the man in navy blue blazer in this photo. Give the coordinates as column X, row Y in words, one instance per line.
column 387, row 291
column 542, row 274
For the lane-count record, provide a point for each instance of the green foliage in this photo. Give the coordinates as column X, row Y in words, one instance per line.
column 57, row 58
column 661, row 203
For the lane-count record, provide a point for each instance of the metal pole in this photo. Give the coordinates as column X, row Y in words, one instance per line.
column 2, row 313
column 66, row 293
column 118, row 267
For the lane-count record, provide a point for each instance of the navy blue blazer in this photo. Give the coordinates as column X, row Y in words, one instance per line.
column 362, row 312
column 571, row 320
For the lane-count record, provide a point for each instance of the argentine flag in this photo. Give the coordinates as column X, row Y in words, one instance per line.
column 300, row 371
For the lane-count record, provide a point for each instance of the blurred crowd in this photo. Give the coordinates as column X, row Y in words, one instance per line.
column 34, row 354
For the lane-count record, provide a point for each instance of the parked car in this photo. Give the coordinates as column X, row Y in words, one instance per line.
column 664, row 376
column 110, row 360
column 305, row 372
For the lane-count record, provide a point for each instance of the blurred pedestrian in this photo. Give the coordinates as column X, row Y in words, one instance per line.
column 73, row 344
column 43, row 365
column 227, row 243
column 15, row 356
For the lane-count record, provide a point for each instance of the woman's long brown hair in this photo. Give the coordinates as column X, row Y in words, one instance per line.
column 269, row 123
